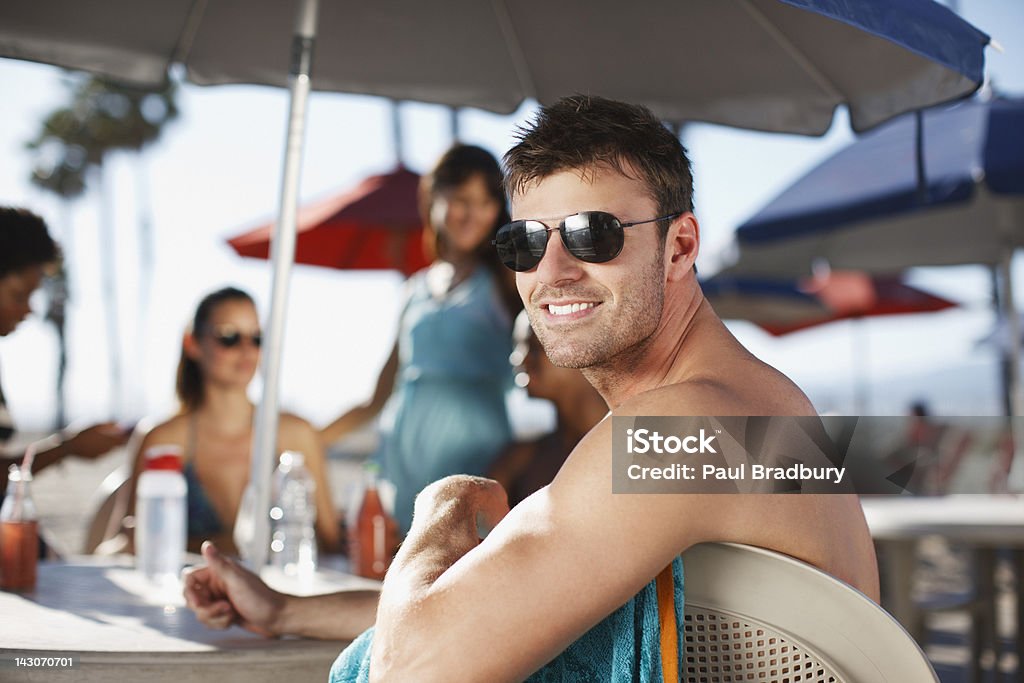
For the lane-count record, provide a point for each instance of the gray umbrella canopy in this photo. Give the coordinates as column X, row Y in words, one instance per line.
column 774, row 65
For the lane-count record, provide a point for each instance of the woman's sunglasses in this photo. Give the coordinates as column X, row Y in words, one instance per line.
column 591, row 236
column 231, row 339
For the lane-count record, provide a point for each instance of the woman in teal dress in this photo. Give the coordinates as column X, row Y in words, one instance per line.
column 441, row 394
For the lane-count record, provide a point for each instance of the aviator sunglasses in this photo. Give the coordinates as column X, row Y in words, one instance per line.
column 591, row 236
column 229, row 339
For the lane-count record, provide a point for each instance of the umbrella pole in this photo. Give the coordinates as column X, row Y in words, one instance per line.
column 282, row 254
column 1009, row 313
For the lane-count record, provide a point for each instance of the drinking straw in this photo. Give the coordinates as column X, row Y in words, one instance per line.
column 26, row 471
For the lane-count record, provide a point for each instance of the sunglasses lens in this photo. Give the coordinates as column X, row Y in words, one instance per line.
column 521, row 244
column 593, row 236
column 229, row 340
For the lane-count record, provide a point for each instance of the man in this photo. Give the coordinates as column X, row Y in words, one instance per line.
column 624, row 306
column 26, row 252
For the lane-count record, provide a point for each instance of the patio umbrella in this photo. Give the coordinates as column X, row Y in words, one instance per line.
column 867, row 207
column 375, row 225
column 778, row 65
column 782, row 307
column 766, row 64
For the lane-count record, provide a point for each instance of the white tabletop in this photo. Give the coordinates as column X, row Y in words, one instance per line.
column 123, row 628
column 975, row 518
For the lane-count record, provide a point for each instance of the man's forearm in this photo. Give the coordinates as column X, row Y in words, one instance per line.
column 336, row 616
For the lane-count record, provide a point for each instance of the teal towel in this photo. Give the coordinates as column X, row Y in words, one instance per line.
column 623, row 647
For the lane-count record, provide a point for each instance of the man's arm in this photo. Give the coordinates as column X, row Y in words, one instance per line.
column 223, row 593
column 552, row 568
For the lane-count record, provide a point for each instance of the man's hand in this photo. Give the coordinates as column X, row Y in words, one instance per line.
column 223, row 592
column 97, row 440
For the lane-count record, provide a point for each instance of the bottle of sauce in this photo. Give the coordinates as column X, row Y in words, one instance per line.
column 19, row 534
column 374, row 539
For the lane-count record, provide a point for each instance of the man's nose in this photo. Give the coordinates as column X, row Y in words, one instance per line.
column 557, row 264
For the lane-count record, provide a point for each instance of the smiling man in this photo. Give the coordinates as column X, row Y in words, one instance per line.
column 566, row 586
column 604, row 242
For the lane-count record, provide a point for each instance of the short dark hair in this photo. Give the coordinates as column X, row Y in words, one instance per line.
column 24, row 241
column 581, row 132
column 190, row 382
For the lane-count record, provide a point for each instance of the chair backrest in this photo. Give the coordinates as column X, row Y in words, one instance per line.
column 756, row 615
column 107, row 509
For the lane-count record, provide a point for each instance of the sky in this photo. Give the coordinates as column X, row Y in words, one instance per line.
column 217, row 172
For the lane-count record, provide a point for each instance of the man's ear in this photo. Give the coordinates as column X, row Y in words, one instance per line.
column 681, row 246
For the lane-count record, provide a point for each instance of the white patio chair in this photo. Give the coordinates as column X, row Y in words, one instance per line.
column 756, row 615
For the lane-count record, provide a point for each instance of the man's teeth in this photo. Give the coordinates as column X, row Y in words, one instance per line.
column 568, row 308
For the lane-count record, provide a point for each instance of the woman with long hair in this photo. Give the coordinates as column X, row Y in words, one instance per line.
column 219, row 356
column 442, row 391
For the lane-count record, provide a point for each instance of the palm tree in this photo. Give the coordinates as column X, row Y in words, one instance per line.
column 100, row 117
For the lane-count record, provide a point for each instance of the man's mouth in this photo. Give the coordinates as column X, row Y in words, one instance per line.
column 569, row 308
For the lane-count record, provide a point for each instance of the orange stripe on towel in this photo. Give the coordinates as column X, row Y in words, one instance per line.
column 669, row 627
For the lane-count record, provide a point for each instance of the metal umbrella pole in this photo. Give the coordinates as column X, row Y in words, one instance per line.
column 264, row 444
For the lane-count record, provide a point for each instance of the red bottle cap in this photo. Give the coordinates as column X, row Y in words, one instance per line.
column 163, row 458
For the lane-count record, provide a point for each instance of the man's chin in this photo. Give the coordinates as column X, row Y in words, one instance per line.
column 569, row 357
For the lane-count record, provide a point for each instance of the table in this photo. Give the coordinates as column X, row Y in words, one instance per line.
column 122, row 628
column 983, row 523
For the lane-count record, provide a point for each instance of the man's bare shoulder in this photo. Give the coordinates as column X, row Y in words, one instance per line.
column 747, row 387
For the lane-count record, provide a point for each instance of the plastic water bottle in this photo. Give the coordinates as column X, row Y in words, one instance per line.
column 292, row 517
column 160, row 516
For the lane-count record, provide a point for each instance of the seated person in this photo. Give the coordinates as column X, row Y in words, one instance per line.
column 219, row 356
column 527, row 466
column 562, row 586
column 26, row 252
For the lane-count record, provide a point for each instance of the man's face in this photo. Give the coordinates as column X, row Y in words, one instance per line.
column 15, row 291
column 588, row 313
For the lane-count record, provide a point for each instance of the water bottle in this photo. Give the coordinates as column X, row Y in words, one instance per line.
column 292, row 517
column 160, row 515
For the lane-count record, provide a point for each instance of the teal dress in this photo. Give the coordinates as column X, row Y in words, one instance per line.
column 447, row 411
column 625, row 646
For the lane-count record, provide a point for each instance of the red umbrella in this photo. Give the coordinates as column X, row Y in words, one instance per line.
column 781, row 307
column 855, row 294
column 375, row 225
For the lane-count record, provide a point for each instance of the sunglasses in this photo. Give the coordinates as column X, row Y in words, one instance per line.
column 230, row 340
column 590, row 236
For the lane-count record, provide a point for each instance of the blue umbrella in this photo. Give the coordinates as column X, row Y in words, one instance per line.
column 871, row 207
column 868, row 207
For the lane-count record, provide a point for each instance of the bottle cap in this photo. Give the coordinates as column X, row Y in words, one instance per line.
column 15, row 474
column 163, row 457
column 293, row 459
